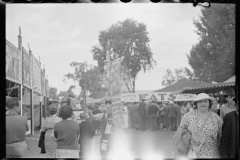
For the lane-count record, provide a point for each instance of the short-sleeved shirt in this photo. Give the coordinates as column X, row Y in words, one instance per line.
column 66, row 132
column 212, row 130
column 16, row 127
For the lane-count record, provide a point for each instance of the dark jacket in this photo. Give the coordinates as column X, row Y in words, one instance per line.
column 172, row 111
column 103, row 125
column 142, row 109
column 87, row 132
column 41, row 143
column 229, row 142
column 152, row 110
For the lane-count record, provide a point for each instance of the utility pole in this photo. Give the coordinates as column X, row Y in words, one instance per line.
column 109, row 67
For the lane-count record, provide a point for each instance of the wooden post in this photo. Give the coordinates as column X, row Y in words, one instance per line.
column 20, row 88
column 32, row 112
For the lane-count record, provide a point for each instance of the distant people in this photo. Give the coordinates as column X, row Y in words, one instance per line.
column 214, row 107
column 107, row 129
column 184, row 109
column 229, row 142
column 87, row 132
column 47, row 127
column 66, row 132
column 131, row 108
column 172, row 116
column 178, row 115
column 143, row 113
column 147, row 116
column 152, row 113
column 16, row 127
column 136, row 116
column 125, row 116
column 165, row 115
column 229, row 106
column 161, row 114
column 96, row 124
column 205, row 127
column 102, row 108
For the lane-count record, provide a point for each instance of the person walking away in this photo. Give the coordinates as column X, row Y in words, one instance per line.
column 205, row 128
column 229, row 142
column 107, row 129
column 152, row 112
column 214, row 107
column 125, row 116
column 16, row 127
column 229, row 106
column 178, row 115
column 142, row 112
column 147, row 116
column 172, row 115
column 47, row 127
column 66, row 132
column 184, row 109
column 131, row 108
column 87, row 132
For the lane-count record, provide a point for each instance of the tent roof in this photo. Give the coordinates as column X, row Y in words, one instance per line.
column 232, row 79
column 180, row 85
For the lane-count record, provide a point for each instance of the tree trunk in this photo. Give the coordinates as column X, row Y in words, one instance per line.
column 134, row 85
column 128, row 88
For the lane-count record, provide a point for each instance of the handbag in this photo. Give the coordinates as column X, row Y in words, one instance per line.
column 198, row 138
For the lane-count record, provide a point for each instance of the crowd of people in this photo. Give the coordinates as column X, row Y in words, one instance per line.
column 214, row 131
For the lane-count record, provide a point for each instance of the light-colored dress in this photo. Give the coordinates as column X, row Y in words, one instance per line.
column 212, row 131
column 50, row 143
column 125, row 117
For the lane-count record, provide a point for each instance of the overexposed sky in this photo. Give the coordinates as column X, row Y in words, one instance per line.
column 63, row 33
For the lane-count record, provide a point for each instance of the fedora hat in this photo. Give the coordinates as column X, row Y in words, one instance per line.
column 202, row 96
column 230, row 92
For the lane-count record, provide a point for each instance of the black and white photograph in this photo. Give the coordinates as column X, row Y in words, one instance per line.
column 121, row 81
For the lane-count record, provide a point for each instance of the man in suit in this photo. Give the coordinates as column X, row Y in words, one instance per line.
column 229, row 142
column 142, row 112
column 152, row 112
column 87, row 132
column 172, row 115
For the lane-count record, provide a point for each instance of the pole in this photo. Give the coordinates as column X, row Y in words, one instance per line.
column 32, row 112
column 20, row 89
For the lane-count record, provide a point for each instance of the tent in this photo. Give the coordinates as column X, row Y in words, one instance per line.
column 232, row 79
column 180, row 85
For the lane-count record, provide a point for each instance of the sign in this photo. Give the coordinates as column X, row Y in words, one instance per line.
column 13, row 63
column 161, row 96
column 36, row 75
column 27, row 81
column 185, row 97
column 130, row 97
column 43, row 83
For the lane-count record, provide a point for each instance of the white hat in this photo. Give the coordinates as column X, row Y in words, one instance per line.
column 171, row 102
column 202, row 96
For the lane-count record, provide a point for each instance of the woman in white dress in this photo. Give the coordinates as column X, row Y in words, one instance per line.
column 125, row 116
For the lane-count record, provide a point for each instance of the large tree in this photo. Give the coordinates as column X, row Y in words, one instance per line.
column 179, row 74
column 128, row 44
column 53, row 93
column 213, row 57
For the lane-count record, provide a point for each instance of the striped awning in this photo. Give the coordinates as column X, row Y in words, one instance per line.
column 209, row 86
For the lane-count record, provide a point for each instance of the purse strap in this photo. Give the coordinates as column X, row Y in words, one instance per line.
column 210, row 113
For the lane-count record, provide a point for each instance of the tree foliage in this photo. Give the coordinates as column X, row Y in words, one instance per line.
column 128, row 44
column 53, row 93
column 179, row 74
column 88, row 77
column 213, row 57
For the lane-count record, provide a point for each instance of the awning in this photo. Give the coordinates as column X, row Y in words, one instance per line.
column 208, row 87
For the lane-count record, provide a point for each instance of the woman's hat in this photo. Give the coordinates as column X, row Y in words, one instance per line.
column 171, row 102
column 202, row 96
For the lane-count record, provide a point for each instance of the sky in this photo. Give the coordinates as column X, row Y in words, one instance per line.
column 62, row 33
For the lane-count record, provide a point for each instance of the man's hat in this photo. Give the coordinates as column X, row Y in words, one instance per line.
column 230, row 92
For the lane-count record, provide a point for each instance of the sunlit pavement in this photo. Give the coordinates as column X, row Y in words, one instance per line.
column 128, row 145
column 136, row 144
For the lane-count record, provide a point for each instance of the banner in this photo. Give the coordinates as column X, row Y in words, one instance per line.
column 161, row 96
column 36, row 75
column 27, row 79
column 130, row 97
column 185, row 97
column 13, row 63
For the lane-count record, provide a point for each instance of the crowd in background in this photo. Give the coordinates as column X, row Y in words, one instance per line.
column 62, row 136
